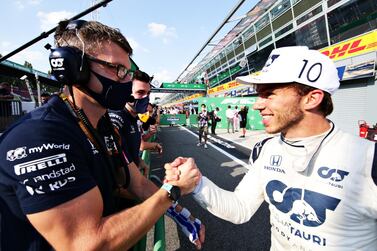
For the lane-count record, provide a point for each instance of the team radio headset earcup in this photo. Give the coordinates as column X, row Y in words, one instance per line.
column 68, row 64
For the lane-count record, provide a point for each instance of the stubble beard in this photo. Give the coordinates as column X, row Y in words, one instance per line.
column 286, row 120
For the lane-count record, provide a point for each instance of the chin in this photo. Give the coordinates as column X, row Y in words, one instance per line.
column 272, row 130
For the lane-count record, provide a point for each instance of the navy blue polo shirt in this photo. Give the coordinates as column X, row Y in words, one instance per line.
column 46, row 160
column 130, row 133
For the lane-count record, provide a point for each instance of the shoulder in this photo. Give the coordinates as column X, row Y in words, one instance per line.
column 117, row 118
column 357, row 150
column 40, row 124
column 257, row 149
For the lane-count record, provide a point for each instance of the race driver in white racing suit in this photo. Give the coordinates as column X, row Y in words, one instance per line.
column 320, row 183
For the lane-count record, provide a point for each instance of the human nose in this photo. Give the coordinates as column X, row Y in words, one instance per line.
column 259, row 104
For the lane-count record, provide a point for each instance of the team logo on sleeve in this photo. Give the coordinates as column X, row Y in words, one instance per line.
column 17, row 153
column 335, row 175
column 304, row 206
column 332, row 176
column 32, row 190
column 22, row 152
column 38, row 164
column 116, row 120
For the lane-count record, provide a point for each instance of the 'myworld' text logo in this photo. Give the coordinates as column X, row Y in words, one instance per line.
column 305, row 207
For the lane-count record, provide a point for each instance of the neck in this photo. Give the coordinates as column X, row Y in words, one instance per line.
column 312, row 125
column 92, row 109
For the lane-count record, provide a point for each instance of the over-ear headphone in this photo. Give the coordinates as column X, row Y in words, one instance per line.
column 69, row 65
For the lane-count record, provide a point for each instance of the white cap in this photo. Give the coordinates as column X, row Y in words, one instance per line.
column 297, row 64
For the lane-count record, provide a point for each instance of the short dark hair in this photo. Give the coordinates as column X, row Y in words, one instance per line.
column 326, row 107
column 203, row 105
column 93, row 35
column 141, row 76
column 45, row 94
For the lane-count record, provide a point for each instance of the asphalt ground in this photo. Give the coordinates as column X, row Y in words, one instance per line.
column 226, row 171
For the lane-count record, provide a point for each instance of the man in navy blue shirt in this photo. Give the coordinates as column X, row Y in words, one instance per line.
column 61, row 170
column 126, row 122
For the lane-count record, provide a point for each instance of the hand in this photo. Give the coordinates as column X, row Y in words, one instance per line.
column 184, row 173
column 158, row 148
column 191, row 227
column 152, row 129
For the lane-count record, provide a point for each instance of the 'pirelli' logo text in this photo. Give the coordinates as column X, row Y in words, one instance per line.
column 39, row 164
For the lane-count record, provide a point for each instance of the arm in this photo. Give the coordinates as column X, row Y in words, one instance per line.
column 143, row 188
column 145, row 145
column 237, row 207
column 86, row 229
column 152, row 131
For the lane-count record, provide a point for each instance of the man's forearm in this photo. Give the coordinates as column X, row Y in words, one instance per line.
column 140, row 186
column 122, row 230
column 224, row 204
column 145, row 145
column 144, row 188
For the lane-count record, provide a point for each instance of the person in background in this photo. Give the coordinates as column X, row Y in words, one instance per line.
column 187, row 113
column 203, row 118
column 5, row 100
column 243, row 121
column 236, row 119
column 214, row 119
column 149, row 122
column 229, row 113
column 45, row 97
column 320, row 182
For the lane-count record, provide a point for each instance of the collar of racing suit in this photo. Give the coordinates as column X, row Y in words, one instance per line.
column 304, row 150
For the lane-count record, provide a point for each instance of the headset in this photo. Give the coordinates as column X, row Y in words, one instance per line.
column 69, row 65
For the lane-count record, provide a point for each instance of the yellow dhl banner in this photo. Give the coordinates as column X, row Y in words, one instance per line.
column 191, row 97
column 230, row 85
column 352, row 47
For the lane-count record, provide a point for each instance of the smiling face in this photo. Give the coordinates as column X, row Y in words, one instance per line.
column 280, row 107
column 140, row 89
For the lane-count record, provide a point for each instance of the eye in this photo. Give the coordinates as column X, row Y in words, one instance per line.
column 265, row 94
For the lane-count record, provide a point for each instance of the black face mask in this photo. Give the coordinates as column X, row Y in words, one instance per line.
column 141, row 105
column 114, row 95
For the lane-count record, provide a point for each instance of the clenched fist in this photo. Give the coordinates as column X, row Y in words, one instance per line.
column 184, row 173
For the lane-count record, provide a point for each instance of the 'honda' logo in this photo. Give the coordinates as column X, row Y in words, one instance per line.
column 57, row 62
column 275, row 160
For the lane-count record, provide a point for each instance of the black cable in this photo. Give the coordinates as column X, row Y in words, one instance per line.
column 47, row 33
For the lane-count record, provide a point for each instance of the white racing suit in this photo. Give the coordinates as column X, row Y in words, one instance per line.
column 330, row 204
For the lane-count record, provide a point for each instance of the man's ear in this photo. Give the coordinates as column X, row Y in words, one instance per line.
column 313, row 99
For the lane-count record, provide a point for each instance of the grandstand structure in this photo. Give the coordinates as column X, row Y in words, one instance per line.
column 345, row 30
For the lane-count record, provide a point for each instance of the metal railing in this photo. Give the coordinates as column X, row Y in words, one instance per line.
column 10, row 110
column 159, row 227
